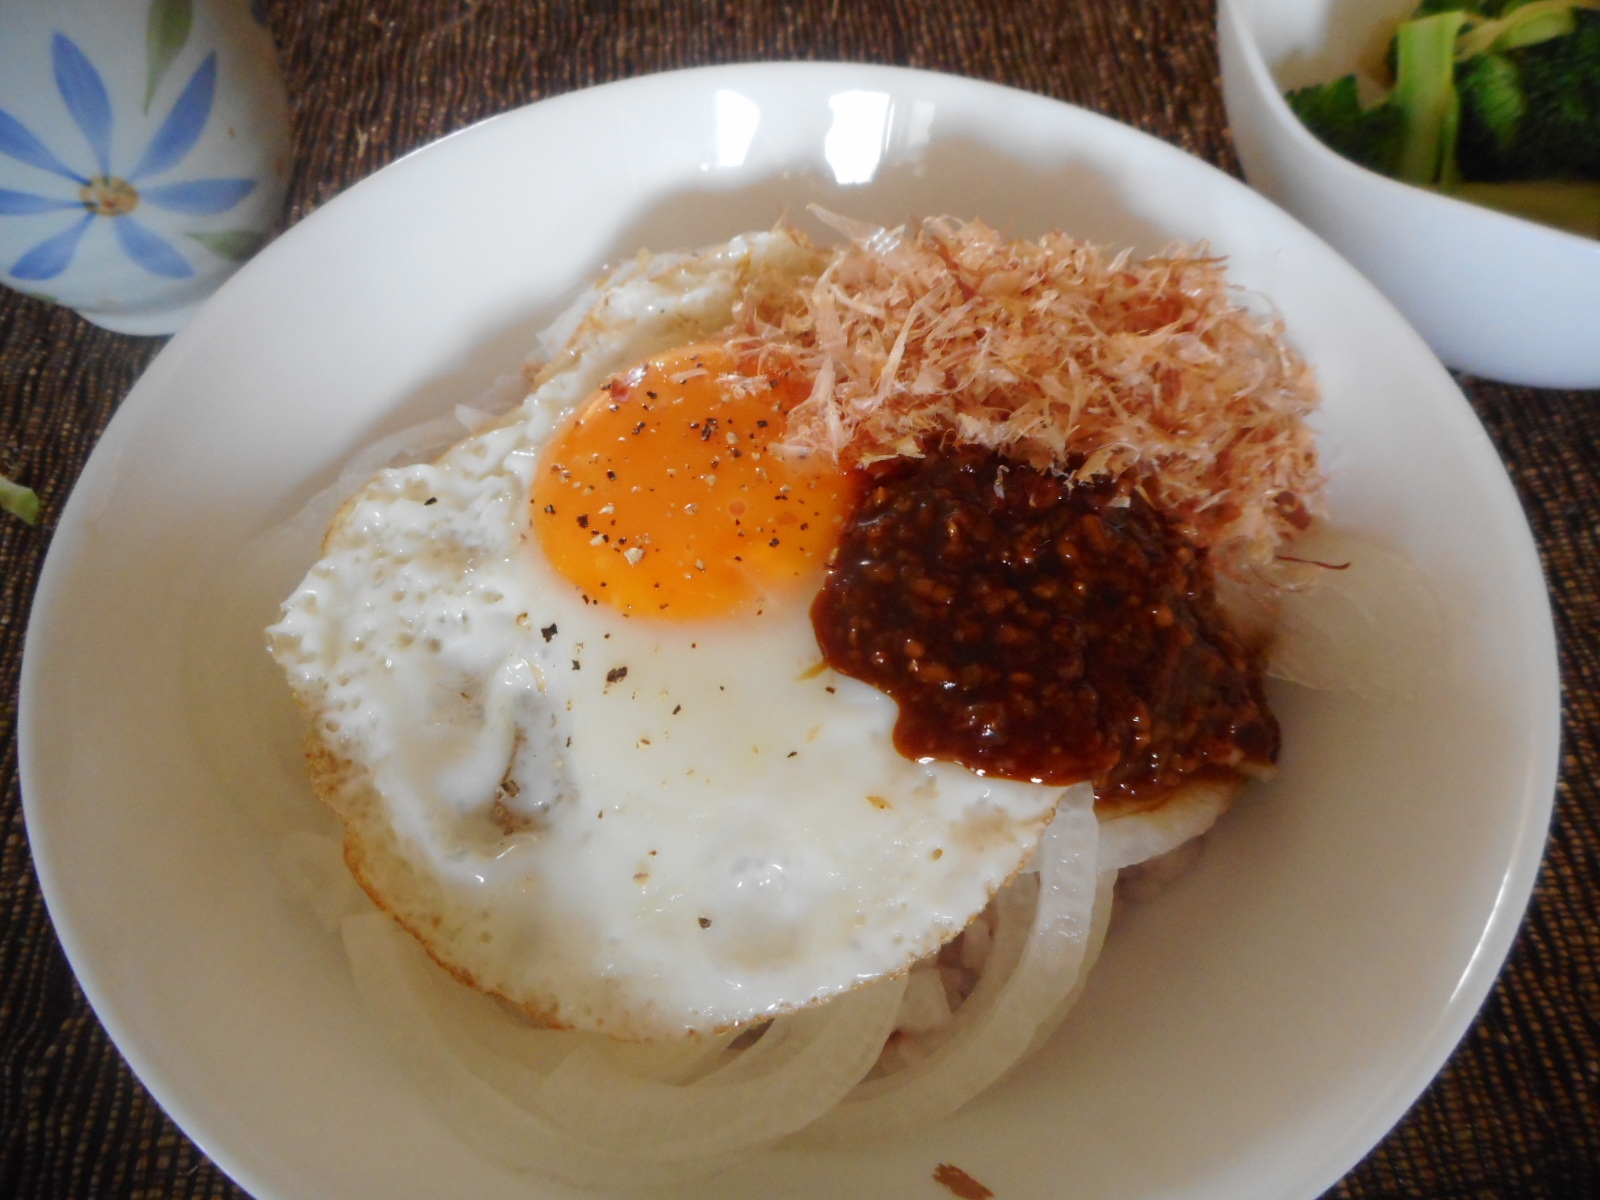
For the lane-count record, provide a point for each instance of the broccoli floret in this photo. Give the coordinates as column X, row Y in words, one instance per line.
column 1333, row 112
column 1534, row 112
column 1492, row 104
column 1411, row 134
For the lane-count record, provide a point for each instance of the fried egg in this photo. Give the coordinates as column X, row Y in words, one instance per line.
column 565, row 695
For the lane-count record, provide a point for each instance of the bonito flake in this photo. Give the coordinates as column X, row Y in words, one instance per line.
column 1061, row 356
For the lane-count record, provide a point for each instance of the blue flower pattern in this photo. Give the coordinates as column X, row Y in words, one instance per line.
column 106, row 196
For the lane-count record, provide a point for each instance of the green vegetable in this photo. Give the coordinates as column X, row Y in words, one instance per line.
column 1333, row 112
column 1425, row 95
column 1495, row 100
column 19, row 501
column 1533, row 112
column 1409, row 135
column 1485, row 92
column 1520, row 25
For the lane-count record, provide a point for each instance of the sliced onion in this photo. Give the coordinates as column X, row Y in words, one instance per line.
column 312, row 869
column 813, row 1064
column 675, row 1062
column 1104, row 890
column 783, row 1040
column 383, row 962
column 926, row 1006
column 997, row 1024
column 499, row 1046
column 1186, row 814
column 588, row 1110
column 1366, row 621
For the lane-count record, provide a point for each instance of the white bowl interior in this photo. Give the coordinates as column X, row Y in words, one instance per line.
column 1248, row 1034
column 1492, row 294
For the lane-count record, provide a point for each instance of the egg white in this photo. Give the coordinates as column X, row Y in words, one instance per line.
column 630, row 826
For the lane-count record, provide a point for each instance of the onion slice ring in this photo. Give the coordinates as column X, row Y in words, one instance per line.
column 998, row 1022
column 1188, row 812
column 590, row 1111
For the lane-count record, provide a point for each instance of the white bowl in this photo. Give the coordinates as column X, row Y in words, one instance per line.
column 1246, row 1036
column 1492, row 294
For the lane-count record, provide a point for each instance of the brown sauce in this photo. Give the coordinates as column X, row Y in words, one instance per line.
column 1037, row 630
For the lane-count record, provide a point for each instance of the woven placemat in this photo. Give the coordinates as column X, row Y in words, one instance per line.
column 1515, row 1114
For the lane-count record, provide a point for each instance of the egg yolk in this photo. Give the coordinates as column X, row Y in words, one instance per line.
column 664, row 494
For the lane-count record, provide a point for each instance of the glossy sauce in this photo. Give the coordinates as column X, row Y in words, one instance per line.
column 1038, row 630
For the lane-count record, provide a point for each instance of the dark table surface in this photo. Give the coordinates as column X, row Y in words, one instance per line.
column 1515, row 1113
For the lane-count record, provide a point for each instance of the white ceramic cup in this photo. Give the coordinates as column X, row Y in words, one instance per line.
column 144, row 152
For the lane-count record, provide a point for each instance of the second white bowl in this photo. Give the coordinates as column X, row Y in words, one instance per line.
column 1493, row 294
